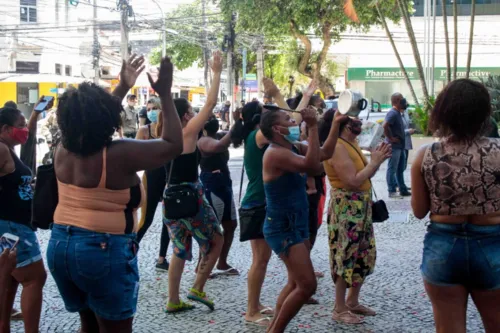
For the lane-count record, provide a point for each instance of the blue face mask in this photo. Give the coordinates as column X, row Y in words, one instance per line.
column 294, row 135
column 153, row 116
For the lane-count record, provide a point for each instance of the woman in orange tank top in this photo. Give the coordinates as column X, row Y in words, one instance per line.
column 92, row 253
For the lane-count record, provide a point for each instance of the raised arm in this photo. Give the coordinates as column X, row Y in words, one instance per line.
column 151, row 154
column 195, row 125
column 33, row 121
column 131, row 69
column 270, row 89
column 328, row 148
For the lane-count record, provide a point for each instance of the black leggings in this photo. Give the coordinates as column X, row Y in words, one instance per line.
column 155, row 185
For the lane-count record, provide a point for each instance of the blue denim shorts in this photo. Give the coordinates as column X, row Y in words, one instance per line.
column 283, row 229
column 95, row 271
column 462, row 254
column 28, row 250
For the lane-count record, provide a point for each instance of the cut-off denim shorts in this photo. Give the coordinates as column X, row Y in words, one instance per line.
column 284, row 229
column 28, row 249
column 462, row 254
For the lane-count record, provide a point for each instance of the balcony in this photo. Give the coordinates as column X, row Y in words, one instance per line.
column 492, row 8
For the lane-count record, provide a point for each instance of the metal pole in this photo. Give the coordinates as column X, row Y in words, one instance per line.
column 244, row 74
column 164, row 30
column 124, row 8
column 433, row 79
column 96, row 47
column 260, row 68
column 429, row 6
column 425, row 40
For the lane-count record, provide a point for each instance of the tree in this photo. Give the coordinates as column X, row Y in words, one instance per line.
column 471, row 37
column 304, row 19
column 446, row 41
column 186, row 46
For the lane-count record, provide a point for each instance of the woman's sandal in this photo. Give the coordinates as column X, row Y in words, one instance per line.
column 200, row 297
column 362, row 310
column 16, row 315
column 347, row 317
column 176, row 308
column 267, row 311
column 261, row 322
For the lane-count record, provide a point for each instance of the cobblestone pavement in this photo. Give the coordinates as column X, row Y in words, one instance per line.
column 395, row 290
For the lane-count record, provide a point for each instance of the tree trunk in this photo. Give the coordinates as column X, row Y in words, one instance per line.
column 205, row 50
column 447, row 42
column 396, row 52
column 455, row 25
column 471, row 37
column 416, row 53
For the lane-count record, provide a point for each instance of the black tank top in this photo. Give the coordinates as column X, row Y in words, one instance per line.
column 16, row 194
column 185, row 168
column 213, row 162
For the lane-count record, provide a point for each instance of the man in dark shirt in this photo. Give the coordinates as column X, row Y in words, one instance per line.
column 394, row 131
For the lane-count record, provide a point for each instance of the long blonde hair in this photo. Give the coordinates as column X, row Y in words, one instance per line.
column 157, row 105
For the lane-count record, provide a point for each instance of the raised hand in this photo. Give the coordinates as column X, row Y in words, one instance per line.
column 270, row 88
column 381, row 153
column 313, row 86
column 340, row 118
column 131, row 69
column 163, row 85
column 309, row 116
column 216, row 62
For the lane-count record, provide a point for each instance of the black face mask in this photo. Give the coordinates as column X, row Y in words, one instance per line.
column 355, row 127
column 403, row 104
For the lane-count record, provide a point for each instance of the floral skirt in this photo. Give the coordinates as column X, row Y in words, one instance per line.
column 351, row 238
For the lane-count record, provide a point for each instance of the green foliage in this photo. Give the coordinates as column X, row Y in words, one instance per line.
column 421, row 116
column 185, row 48
column 492, row 83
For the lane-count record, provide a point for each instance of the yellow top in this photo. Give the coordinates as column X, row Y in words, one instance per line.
column 359, row 164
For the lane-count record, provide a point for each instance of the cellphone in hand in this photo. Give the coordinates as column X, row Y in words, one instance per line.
column 43, row 104
column 8, row 241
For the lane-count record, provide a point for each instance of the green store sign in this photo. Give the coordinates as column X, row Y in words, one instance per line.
column 395, row 74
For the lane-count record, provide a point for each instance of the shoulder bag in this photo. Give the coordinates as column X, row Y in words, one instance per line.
column 45, row 197
column 180, row 201
column 379, row 208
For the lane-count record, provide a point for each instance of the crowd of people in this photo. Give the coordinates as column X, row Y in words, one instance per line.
column 291, row 148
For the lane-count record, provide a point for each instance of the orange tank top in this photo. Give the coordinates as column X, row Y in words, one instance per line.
column 99, row 209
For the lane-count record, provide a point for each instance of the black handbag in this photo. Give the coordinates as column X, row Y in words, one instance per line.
column 180, row 201
column 45, row 198
column 252, row 223
column 380, row 213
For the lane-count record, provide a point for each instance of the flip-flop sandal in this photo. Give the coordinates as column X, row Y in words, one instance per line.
column 347, row 317
column 261, row 322
column 319, row 275
column 200, row 297
column 16, row 315
column 228, row 272
column 267, row 311
column 176, row 308
column 362, row 310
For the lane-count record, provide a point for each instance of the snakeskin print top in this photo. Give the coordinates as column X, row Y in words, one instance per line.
column 463, row 179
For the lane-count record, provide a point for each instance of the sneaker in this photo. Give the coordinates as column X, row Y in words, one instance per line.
column 406, row 194
column 395, row 195
column 162, row 266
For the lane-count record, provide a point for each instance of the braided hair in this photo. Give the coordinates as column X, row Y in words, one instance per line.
column 251, row 113
column 88, row 117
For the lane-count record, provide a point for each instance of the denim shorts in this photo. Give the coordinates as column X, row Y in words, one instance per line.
column 95, row 271
column 218, row 189
column 462, row 254
column 28, row 250
column 284, row 229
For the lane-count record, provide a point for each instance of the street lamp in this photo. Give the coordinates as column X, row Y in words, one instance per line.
column 164, row 31
column 291, row 81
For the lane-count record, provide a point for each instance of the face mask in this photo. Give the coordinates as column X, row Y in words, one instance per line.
column 355, row 127
column 403, row 104
column 20, row 135
column 153, row 116
column 294, row 134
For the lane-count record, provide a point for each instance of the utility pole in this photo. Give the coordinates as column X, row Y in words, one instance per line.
column 243, row 84
column 124, row 10
column 230, row 50
column 260, row 67
column 96, row 50
column 204, row 41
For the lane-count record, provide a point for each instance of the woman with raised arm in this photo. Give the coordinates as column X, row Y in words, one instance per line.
column 92, row 253
column 286, row 228
column 154, row 182
column 182, row 173
column 218, row 187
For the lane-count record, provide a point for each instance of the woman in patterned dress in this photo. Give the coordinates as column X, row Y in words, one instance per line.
column 350, row 229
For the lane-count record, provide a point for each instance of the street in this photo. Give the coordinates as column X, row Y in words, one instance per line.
column 395, row 290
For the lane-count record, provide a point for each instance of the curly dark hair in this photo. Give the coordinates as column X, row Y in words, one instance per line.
column 462, row 111
column 9, row 116
column 251, row 113
column 88, row 117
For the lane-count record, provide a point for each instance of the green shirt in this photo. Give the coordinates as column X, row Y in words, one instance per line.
column 254, row 195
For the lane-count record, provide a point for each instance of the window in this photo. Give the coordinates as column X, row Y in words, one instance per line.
column 27, row 67
column 58, row 69
column 67, row 70
column 28, row 11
